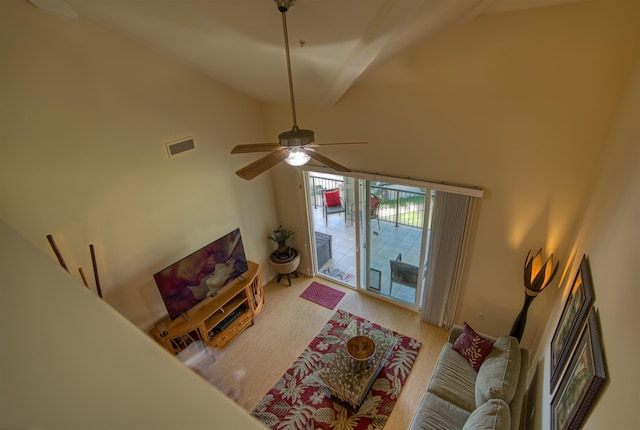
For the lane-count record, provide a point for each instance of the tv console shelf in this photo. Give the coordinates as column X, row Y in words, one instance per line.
column 217, row 320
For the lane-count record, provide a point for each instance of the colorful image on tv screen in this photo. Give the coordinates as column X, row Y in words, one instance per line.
column 201, row 274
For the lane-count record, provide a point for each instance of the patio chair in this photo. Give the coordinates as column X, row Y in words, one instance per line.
column 374, row 204
column 333, row 204
column 403, row 274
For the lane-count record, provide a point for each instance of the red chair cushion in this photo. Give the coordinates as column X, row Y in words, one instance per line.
column 332, row 198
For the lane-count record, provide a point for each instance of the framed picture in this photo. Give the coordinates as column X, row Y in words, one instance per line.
column 574, row 315
column 582, row 381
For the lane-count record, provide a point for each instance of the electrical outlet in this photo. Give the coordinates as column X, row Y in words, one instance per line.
column 480, row 315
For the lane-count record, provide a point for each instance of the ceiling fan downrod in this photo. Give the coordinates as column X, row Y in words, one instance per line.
column 283, row 7
column 296, row 146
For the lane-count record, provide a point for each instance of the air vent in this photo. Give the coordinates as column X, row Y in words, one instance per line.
column 180, row 146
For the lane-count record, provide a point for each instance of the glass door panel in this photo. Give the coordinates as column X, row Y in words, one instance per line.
column 393, row 218
column 330, row 199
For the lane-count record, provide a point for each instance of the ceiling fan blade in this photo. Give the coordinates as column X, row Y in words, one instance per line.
column 261, row 165
column 255, row 147
column 326, row 161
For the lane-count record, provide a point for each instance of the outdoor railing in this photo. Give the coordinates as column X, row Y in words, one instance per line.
column 397, row 204
column 400, row 206
column 318, row 185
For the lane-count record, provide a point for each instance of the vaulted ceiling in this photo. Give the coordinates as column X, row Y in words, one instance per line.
column 240, row 42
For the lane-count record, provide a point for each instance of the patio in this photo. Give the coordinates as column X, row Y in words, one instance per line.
column 387, row 242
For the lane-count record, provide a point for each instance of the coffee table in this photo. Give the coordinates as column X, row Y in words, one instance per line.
column 347, row 380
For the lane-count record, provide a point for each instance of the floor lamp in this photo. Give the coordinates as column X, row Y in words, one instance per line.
column 536, row 277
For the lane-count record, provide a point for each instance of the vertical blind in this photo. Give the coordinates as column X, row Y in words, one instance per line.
column 451, row 222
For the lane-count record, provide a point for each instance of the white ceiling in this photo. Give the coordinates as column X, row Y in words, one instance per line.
column 240, row 42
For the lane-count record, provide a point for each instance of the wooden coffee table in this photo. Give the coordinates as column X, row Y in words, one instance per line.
column 347, row 380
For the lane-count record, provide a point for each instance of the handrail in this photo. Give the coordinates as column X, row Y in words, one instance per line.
column 320, row 184
column 401, row 206
column 397, row 204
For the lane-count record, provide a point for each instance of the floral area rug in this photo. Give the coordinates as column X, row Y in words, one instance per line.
column 298, row 402
column 337, row 274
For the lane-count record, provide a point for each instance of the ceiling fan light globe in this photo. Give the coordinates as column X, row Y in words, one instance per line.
column 297, row 157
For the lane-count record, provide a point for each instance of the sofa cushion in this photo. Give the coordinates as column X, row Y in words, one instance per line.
column 493, row 415
column 454, row 379
column 499, row 373
column 437, row 413
column 472, row 346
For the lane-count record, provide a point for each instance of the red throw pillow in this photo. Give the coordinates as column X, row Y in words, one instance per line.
column 332, row 198
column 472, row 346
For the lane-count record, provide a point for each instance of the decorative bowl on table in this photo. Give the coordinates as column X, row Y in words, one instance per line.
column 360, row 348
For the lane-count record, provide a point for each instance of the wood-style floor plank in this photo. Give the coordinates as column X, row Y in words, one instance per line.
column 257, row 358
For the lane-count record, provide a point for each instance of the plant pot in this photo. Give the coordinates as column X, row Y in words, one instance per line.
column 286, row 266
column 283, row 249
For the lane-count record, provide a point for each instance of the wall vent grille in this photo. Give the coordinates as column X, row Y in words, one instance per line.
column 180, row 146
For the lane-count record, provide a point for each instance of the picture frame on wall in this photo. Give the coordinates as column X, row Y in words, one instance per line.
column 573, row 317
column 582, row 381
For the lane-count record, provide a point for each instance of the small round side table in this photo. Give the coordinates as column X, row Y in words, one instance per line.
column 285, row 267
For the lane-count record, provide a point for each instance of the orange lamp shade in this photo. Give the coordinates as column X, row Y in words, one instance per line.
column 537, row 275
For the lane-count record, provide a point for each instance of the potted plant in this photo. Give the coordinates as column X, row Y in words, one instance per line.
column 280, row 235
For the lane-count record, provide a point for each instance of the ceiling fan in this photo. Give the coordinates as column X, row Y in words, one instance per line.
column 296, row 146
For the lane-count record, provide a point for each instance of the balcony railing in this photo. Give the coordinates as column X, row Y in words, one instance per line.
column 319, row 184
column 399, row 205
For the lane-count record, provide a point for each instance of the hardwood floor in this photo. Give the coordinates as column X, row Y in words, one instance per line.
column 259, row 357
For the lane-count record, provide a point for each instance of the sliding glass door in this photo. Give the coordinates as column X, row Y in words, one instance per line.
column 393, row 252
column 370, row 235
column 374, row 233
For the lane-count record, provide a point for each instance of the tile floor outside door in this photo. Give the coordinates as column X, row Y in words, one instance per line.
column 387, row 242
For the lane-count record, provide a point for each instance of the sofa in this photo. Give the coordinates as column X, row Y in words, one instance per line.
column 459, row 397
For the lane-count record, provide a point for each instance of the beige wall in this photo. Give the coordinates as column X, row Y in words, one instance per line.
column 610, row 237
column 70, row 362
column 84, row 119
column 520, row 103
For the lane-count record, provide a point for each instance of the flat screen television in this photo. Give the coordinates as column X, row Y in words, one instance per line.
column 201, row 274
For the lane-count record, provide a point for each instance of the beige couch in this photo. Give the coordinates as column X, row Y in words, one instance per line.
column 459, row 398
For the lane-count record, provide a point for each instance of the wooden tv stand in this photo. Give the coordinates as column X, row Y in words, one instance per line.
column 217, row 320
